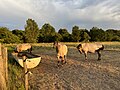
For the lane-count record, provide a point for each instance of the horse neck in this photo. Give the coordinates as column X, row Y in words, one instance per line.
column 58, row 44
column 57, row 47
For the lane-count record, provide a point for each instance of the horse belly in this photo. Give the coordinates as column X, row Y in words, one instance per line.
column 91, row 49
column 65, row 50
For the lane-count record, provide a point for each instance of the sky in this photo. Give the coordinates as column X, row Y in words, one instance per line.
column 103, row 14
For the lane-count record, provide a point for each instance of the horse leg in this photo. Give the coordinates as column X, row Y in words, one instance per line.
column 99, row 55
column 58, row 60
column 85, row 53
column 28, row 50
column 63, row 60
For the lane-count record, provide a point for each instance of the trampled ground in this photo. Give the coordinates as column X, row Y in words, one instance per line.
column 77, row 74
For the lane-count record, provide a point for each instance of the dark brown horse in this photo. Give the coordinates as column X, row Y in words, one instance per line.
column 90, row 47
column 61, row 50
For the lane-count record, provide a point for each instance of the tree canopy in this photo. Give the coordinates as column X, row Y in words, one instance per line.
column 6, row 36
column 65, row 35
column 31, row 31
column 75, row 34
column 97, row 34
column 47, row 33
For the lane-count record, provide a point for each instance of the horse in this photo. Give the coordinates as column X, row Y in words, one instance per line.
column 61, row 51
column 90, row 47
column 22, row 47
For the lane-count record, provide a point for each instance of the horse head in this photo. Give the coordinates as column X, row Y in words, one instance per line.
column 79, row 47
column 55, row 44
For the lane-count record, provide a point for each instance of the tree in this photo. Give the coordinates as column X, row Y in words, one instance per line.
column 112, row 35
column 75, row 34
column 85, row 37
column 115, row 38
column 20, row 34
column 31, row 31
column 57, row 37
column 108, row 36
column 97, row 34
column 6, row 36
column 65, row 35
column 47, row 32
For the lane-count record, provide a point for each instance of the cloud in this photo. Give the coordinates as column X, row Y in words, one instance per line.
column 61, row 13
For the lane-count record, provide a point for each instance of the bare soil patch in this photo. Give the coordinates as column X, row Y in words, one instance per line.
column 76, row 74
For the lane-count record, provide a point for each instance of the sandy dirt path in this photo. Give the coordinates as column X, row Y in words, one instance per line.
column 77, row 74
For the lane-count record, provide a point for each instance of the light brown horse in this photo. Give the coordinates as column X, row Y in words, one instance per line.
column 22, row 47
column 90, row 47
column 61, row 50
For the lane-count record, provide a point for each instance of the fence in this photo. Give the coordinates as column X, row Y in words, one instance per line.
column 3, row 68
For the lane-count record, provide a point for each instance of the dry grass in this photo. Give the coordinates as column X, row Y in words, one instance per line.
column 2, row 82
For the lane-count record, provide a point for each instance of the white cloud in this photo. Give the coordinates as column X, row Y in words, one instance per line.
column 61, row 13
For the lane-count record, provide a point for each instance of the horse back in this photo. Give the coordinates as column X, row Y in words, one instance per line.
column 21, row 47
column 62, row 50
column 92, row 47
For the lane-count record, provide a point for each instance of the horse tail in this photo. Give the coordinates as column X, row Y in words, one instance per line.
column 101, row 47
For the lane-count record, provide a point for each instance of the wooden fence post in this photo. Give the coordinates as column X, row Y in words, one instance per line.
column 3, row 68
column 26, row 72
column 5, row 63
column 0, row 52
column 0, row 49
column 1, row 60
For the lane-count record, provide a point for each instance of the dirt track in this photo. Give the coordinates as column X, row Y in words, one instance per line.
column 77, row 74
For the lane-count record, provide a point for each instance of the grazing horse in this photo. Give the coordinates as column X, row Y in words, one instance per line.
column 22, row 47
column 90, row 47
column 61, row 50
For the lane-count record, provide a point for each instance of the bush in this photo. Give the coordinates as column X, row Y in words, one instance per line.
column 6, row 36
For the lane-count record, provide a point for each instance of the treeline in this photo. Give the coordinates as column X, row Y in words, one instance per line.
column 47, row 33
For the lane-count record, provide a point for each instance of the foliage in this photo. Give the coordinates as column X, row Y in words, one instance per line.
column 65, row 35
column 57, row 37
column 20, row 34
column 112, row 35
column 47, row 33
column 15, row 72
column 76, row 34
column 6, row 36
column 85, row 37
column 97, row 34
column 31, row 31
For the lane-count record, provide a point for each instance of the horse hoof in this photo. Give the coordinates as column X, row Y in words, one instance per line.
column 99, row 59
column 58, row 65
column 63, row 62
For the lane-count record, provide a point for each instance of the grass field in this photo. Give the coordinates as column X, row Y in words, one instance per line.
column 77, row 74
